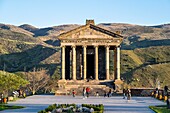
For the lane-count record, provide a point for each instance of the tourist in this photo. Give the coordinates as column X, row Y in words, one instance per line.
column 24, row 95
column 128, row 94
column 124, row 93
column 73, row 93
column 97, row 94
column 20, row 93
column 166, row 91
column 87, row 91
column 84, row 92
column 156, row 92
column 91, row 78
column 105, row 94
column 109, row 93
column 167, row 95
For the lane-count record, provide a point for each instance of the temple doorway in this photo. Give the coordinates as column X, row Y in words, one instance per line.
column 90, row 66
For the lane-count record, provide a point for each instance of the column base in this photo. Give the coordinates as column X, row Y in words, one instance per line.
column 62, row 83
column 118, row 84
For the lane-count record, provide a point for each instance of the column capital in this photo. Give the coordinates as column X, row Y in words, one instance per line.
column 118, row 46
column 73, row 46
column 84, row 46
column 63, row 46
column 107, row 46
column 96, row 46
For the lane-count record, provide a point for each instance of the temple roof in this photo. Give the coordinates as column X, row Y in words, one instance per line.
column 89, row 24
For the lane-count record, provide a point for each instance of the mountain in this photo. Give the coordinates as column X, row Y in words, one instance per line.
column 49, row 31
column 162, row 26
column 145, row 52
column 28, row 27
column 15, row 29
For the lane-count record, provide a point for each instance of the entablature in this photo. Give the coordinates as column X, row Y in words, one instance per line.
column 93, row 42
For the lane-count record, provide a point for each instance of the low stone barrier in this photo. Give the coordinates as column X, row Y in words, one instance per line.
column 142, row 91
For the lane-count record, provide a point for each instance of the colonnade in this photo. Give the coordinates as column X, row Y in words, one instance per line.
column 116, row 62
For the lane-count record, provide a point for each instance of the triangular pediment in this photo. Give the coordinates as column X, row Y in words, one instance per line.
column 89, row 32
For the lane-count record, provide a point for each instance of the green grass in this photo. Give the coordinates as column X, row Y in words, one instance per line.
column 160, row 109
column 4, row 107
column 135, row 57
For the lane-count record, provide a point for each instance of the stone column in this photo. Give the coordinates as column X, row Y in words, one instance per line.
column 107, row 63
column 85, row 62
column 63, row 62
column 96, row 62
column 118, row 82
column 117, row 63
column 74, row 62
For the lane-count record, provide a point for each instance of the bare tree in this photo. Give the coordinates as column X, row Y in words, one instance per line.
column 53, row 82
column 38, row 79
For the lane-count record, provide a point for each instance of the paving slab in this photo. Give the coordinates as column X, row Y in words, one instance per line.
column 115, row 104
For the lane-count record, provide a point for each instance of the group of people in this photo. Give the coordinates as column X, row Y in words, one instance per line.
column 127, row 94
column 19, row 93
column 86, row 92
column 109, row 94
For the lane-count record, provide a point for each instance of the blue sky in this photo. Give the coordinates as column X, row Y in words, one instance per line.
column 43, row 13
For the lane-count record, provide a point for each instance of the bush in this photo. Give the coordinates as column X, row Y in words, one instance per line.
column 51, row 107
column 42, row 111
column 97, row 108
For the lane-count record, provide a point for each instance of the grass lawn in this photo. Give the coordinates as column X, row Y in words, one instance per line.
column 160, row 109
column 4, row 107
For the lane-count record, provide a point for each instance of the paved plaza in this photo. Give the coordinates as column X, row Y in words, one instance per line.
column 114, row 104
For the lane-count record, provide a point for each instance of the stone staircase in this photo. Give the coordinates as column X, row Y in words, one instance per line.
column 66, row 87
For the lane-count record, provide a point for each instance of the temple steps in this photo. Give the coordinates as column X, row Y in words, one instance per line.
column 66, row 87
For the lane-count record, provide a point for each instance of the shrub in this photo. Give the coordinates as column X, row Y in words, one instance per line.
column 51, row 107
column 97, row 108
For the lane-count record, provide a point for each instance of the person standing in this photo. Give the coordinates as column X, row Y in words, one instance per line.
column 87, row 91
column 105, row 94
column 73, row 93
column 109, row 93
column 124, row 93
column 156, row 93
column 84, row 92
column 128, row 94
column 97, row 94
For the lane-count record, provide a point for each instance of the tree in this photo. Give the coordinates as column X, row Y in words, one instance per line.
column 38, row 79
column 53, row 82
column 10, row 81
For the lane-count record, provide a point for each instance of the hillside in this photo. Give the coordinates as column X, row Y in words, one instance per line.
column 49, row 31
column 24, row 47
column 15, row 29
column 132, row 33
column 136, row 63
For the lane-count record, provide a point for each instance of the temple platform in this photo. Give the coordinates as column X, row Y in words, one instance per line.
column 101, row 86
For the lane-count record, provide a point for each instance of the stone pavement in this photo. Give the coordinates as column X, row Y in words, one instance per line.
column 111, row 105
